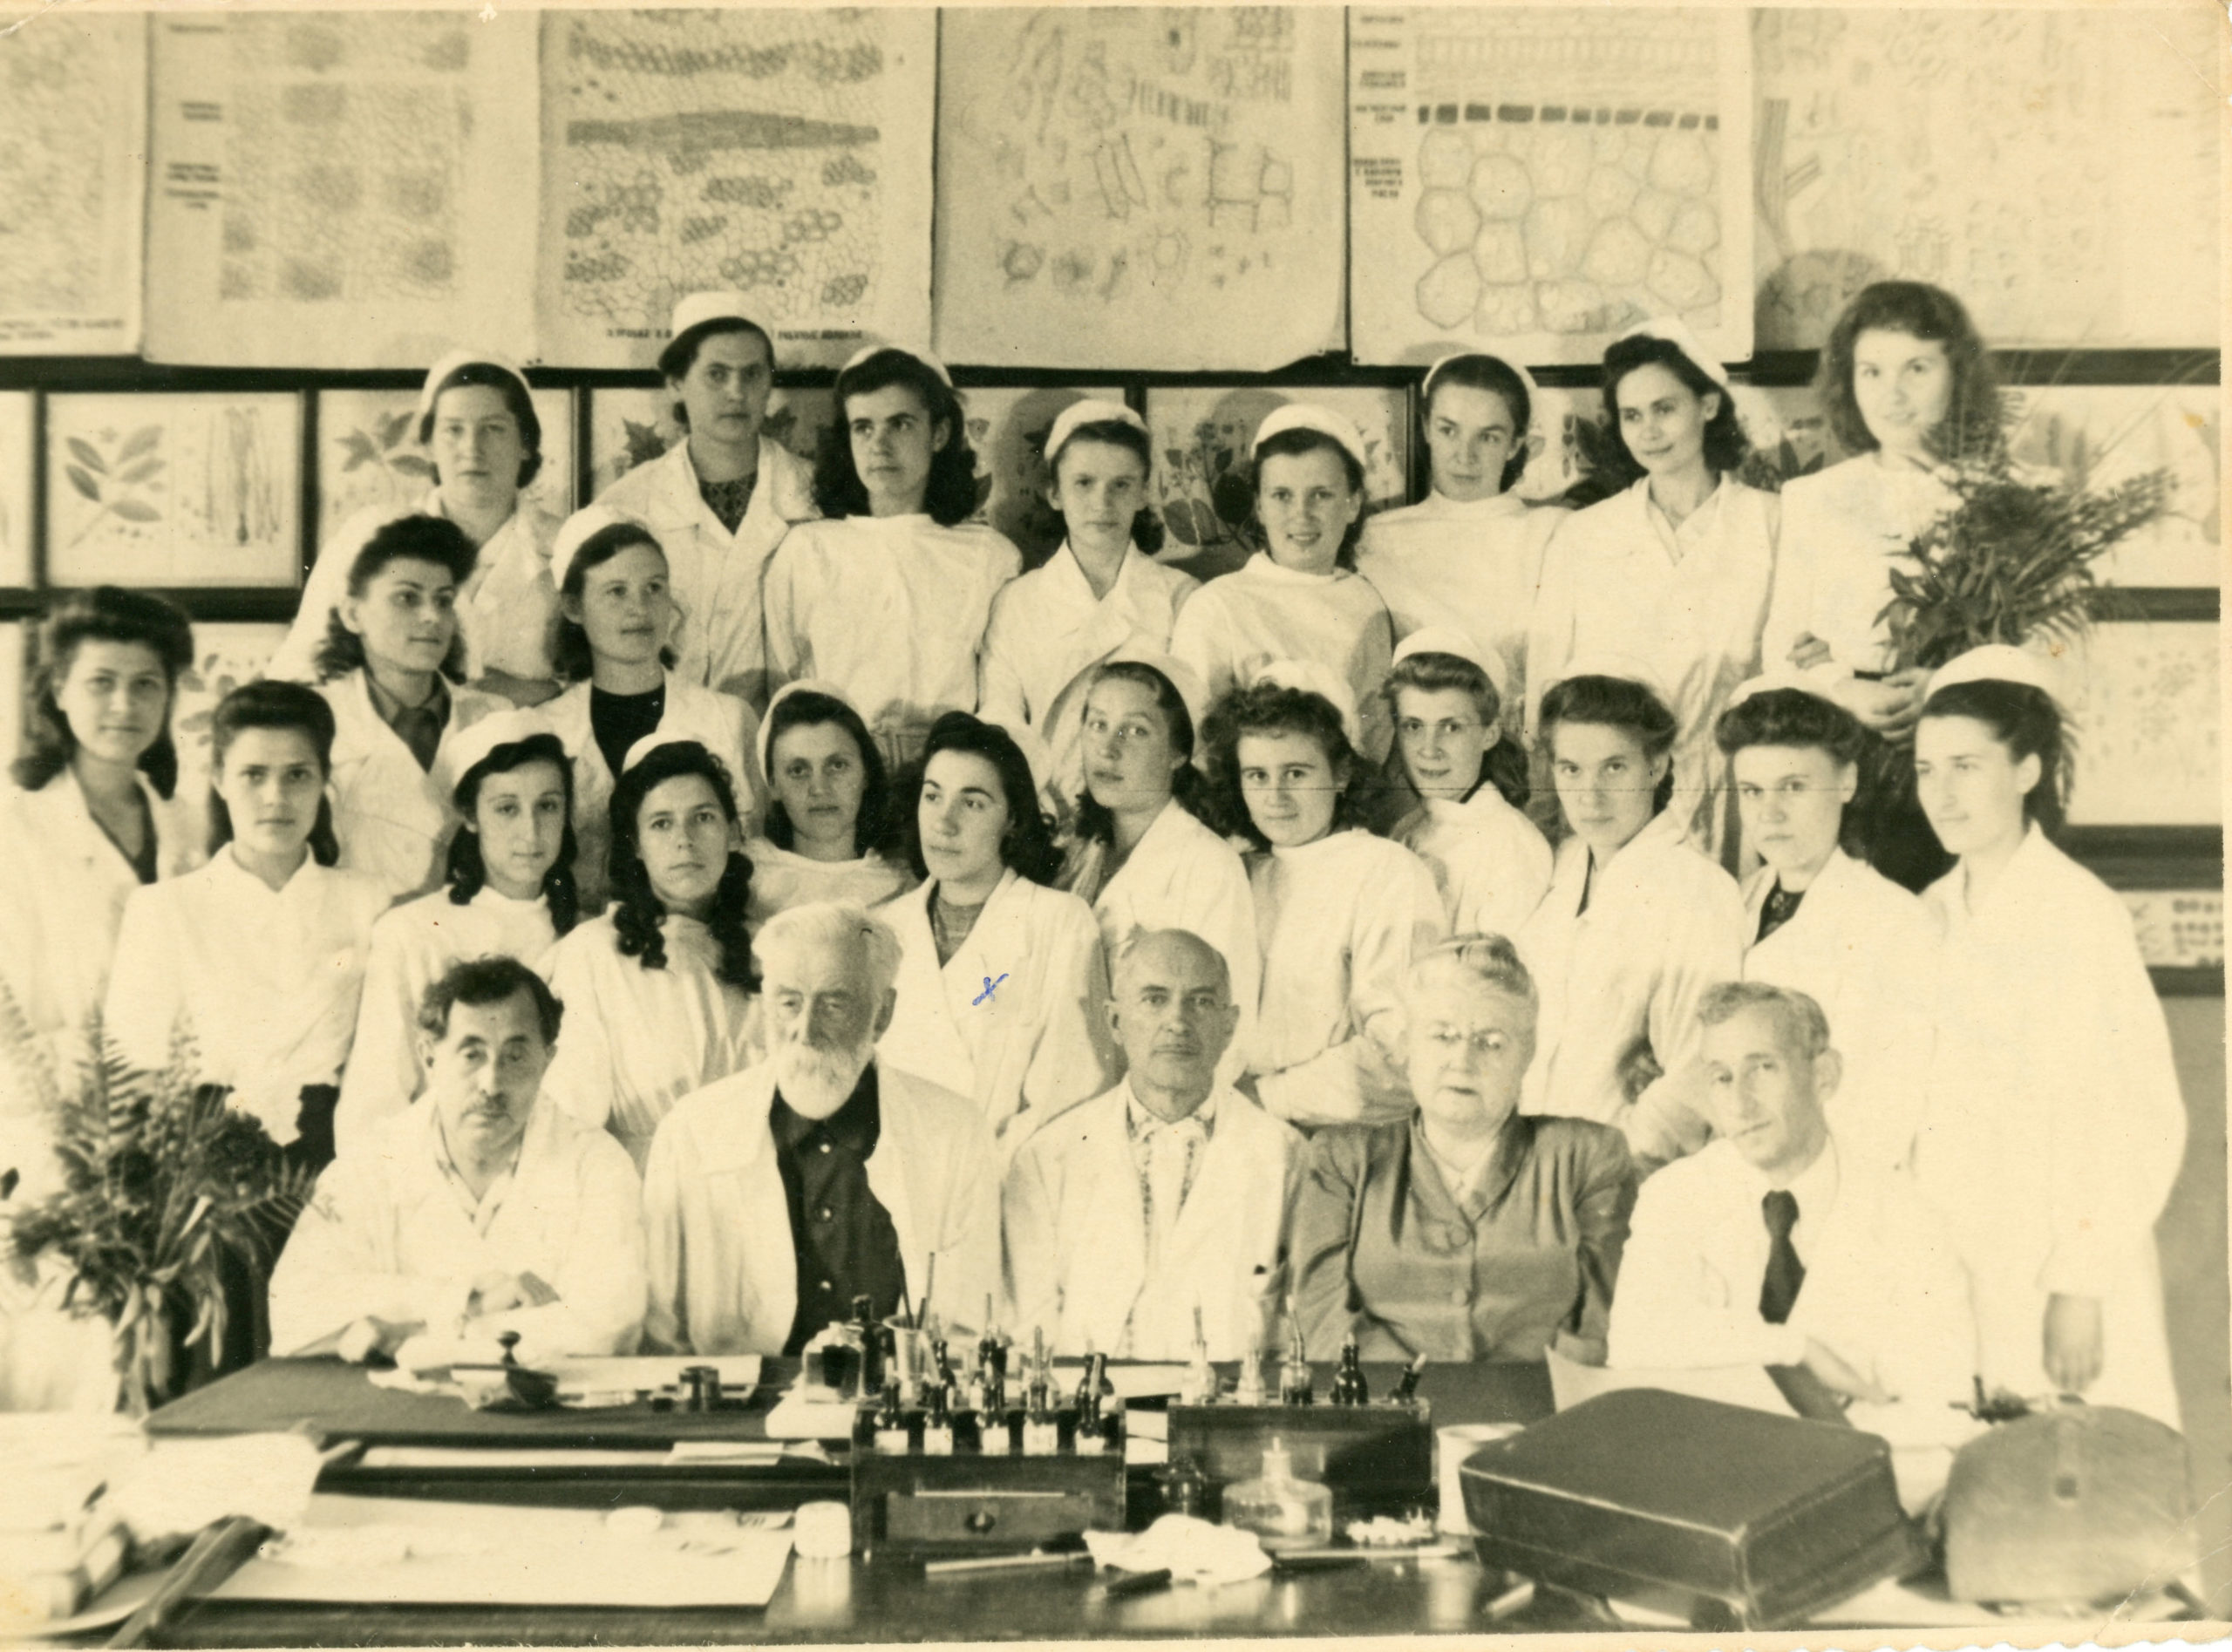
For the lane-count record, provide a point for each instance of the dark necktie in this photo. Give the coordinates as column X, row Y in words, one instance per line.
column 1779, row 1290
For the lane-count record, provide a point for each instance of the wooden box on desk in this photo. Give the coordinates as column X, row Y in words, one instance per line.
column 922, row 1508
column 1718, row 1513
column 1375, row 1459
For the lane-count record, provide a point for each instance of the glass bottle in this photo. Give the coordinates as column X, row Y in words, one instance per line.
column 1251, row 1389
column 1348, row 1385
column 1042, row 1431
column 1297, row 1385
column 1284, row 1512
column 871, row 1340
column 891, row 1432
column 1087, row 1439
column 1406, row 1386
column 937, row 1423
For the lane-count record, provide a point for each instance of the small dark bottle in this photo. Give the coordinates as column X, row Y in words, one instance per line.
column 1407, row 1385
column 937, row 1423
column 1087, row 1439
column 1042, row 1430
column 871, row 1336
column 892, row 1437
column 1348, row 1385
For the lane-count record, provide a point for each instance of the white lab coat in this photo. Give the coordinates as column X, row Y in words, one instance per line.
column 412, row 945
column 724, row 1267
column 1845, row 531
column 394, row 820
column 715, row 575
column 387, row 1236
column 1338, row 922
column 721, row 723
column 1024, row 1046
column 1240, row 621
column 635, row 1041
column 506, row 610
column 1488, row 860
column 265, row 980
column 1664, row 923
column 892, row 610
column 2053, row 1124
column 1686, row 601
column 1077, row 1241
column 1474, row 564
column 782, row 879
column 1048, row 632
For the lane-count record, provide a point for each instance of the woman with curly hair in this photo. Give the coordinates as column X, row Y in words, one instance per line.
column 508, row 892
column 1002, row 990
column 889, row 595
column 1674, row 570
column 1339, row 912
column 831, row 834
column 660, row 993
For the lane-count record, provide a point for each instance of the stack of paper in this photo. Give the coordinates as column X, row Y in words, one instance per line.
column 61, row 1541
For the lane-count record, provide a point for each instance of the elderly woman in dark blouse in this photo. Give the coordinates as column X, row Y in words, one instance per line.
column 1468, row 1231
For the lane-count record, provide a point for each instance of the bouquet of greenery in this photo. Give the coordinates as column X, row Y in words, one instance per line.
column 160, row 1180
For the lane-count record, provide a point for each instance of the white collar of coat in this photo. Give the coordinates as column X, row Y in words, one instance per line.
column 1667, row 832
column 1326, row 847
column 1441, row 507
column 1816, row 1188
column 995, row 903
column 782, row 487
column 1702, row 517
column 1067, row 572
column 733, row 1133
column 238, row 881
column 1836, row 874
column 2030, row 867
column 1147, row 1118
column 1261, row 567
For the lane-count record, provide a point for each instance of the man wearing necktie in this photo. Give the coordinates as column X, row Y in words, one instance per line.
column 1770, row 1247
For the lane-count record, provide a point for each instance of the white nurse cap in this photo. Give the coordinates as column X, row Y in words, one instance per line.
column 1192, row 691
column 1447, row 639
column 1675, row 332
column 866, row 351
column 1089, row 412
column 1310, row 417
column 1425, row 385
column 582, row 525
column 698, row 308
column 456, row 358
column 470, row 746
column 1998, row 662
column 1623, row 668
column 765, row 739
column 1313, row 678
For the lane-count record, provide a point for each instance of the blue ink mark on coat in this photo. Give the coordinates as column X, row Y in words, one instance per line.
column 989, row 985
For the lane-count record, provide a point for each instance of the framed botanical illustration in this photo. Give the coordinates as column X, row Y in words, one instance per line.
column 15, row 488
column 2149, row 745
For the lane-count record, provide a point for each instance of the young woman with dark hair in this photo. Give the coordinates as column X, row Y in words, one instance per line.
column 1299, row 597
column 1636, row 924
column 831, row 831
column 889, row 595
column 1002, row 990
column 390, row 667
column 477, row 422
column 616, row 617
column 1469, row 555
column 259, row 956
column 660, row 993
column 2053, row 1124
column 1339, row 912
column 1674, row 570
column 720, row 501
column 1102, row 590
column 509, row 892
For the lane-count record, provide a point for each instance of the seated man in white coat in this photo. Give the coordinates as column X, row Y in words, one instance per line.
column 775, row 1196
column 1770, row 1246
column 1165, row 1196
column 478, row 1210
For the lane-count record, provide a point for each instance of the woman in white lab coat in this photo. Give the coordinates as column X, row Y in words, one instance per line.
column 258, row 956
column 389, row 668
column 1820, row 922
column 617, row 616
column 1469, row 780
column 1339, row 912
column 720, row 501
column 660, row 993
column 1469, row 555
column 1003, row 989
column 1101, row 592
column 476, row 419
column 1908, row 385
column 2053, row 1124
column 1638, row 922
column 832, row 832
column 889, row 595
column 1299, row 598
column 508, row 892
column 1674, row 570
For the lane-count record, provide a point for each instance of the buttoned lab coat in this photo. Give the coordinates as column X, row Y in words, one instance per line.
column 1488, row 860
column 724, row 1267
column 1077, row 1241
column 387, row 1236
column 1845, row 531
column 1025, row 1047
column 506, row 610
column 1047, row 633
column 715, row 576
column 892, row 610
column 394, row 818
column 721, row 723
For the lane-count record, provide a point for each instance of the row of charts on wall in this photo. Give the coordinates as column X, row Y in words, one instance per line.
column 1208, row 188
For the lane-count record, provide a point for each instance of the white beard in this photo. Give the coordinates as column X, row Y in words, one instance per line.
column 816, row 1081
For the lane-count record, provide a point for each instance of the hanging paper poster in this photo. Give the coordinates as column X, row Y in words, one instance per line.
column 1538, row 180
column 15, row 488
column 1142, row 186
column 73, row 145
column 781, row 152
column 341, row 189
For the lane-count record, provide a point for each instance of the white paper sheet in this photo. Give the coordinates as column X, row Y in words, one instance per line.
column 341, row 189
column 1135, row 186
column 782, row 152
column 1748, row 1385
column 1539, row 179
column 73, row 143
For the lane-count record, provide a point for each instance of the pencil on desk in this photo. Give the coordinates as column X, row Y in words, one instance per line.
column 1034, row 1561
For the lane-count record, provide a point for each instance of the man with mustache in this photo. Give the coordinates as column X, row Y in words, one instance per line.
column 775, row 1196
column 1164, row 1195
column 476, row 1211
